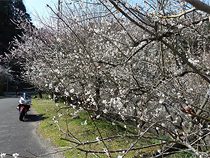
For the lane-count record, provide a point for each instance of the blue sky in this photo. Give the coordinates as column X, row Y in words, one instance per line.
column 39, row 6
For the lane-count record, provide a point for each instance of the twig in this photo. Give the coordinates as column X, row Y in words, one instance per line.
column 138, row 138
column 121, row 150
column 178, row 15
column 101, row 137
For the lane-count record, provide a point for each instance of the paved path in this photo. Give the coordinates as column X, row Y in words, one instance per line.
column 17, row 136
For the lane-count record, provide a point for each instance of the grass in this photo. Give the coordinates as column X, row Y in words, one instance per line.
column 87, row 133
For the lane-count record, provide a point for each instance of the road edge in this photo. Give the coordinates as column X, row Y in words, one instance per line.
column 45, row 142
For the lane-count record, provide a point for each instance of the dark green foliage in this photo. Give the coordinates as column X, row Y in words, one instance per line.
column 10, row 10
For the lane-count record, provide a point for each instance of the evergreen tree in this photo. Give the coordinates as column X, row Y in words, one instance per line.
column 10, row 10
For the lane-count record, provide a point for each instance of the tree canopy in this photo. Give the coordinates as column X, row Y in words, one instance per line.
column 10, row 10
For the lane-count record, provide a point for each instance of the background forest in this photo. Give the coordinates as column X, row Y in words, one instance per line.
column 10, row 10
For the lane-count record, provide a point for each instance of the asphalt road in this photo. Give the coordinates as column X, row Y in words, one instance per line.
column 17, row 136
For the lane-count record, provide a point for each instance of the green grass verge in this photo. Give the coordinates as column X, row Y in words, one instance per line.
column 87, row 133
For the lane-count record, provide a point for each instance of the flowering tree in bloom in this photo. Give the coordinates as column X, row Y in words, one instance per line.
column 147, row 63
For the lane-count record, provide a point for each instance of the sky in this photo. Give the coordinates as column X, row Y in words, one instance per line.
column 38, row 6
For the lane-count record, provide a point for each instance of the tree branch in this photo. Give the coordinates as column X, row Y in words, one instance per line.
column 178, row 15
column 199, row 5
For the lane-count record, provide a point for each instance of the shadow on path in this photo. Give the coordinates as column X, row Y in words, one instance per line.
column 33, row 117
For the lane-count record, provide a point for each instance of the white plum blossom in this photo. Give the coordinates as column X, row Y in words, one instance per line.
column 208, row 92
column 104, row 101
column 105, row 111
column 159, row 150
column 106, row 151
column 116, row 102
column 50, row 86
column 200, row 125
column 3, row 155
column 98, row 139
column 72, row 91
column 189, row 90
column 180, row 26
column 200, row 23
column 193, row 61
column 161, row 100
column 85, row 123
column 59, row 40
column 179, row 95
column 15, row 155
column 163, row 124
column 66, row 93
column 56, row 89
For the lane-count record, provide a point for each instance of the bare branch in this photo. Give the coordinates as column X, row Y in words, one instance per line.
column 199, row 5
column 177, row 16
